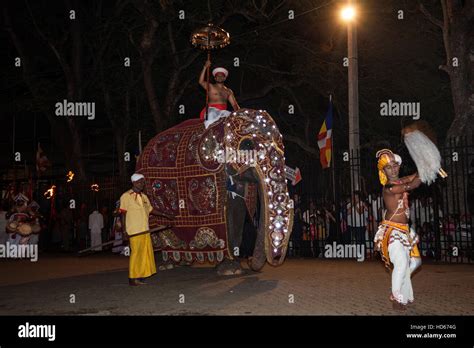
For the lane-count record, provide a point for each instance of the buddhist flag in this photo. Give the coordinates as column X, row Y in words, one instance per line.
column 42, row 162
column 325, row 139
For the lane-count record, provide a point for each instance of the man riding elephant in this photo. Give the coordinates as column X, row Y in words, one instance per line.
column 219, row 94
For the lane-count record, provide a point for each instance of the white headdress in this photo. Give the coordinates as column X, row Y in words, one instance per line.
column 220, row 70
column 137, row 176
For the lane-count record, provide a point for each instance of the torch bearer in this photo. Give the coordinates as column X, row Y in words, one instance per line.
column 209, row 38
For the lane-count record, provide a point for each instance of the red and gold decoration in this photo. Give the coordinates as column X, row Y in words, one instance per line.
column 210, row 37
column 186, row 178
column 179, row 185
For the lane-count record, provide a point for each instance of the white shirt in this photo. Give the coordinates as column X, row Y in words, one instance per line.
column 354, row 218
column 96, row 221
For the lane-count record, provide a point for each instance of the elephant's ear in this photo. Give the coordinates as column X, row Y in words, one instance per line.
column 211, row 147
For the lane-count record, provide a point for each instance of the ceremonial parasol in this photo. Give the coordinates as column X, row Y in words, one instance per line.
column 209, row 38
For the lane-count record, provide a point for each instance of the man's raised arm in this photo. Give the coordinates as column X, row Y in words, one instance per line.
column 202, row 80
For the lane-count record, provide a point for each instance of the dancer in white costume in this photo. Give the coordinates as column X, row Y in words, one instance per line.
column 394, row 239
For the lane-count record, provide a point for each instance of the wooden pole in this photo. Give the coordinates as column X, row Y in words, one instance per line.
column 139, row 142
column 208, row 69
column 333, row 165
column 332, row 153
column 153, row 230
column 207, row 84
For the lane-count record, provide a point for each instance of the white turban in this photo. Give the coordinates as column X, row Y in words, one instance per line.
column 220, row 70
column 398, row 159
column 136, row 177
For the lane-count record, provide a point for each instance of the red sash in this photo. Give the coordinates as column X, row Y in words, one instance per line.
column 217, row 106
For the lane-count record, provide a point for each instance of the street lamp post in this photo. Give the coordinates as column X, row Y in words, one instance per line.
column 348, row 14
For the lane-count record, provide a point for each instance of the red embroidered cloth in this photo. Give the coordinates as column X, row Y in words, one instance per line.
column 178, row 184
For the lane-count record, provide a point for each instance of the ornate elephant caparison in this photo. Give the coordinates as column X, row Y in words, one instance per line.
column 188, row 171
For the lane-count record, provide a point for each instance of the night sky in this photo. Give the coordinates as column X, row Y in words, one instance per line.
column 282, row 61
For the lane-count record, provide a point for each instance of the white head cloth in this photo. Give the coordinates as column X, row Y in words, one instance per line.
column 136, row 177
column 220, row 70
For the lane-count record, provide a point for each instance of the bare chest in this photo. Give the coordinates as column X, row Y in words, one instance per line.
column 221, row 93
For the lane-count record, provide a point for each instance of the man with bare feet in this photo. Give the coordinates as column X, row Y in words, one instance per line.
column 394, row 239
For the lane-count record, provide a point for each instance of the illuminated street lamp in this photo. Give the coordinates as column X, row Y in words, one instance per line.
column 348, row 15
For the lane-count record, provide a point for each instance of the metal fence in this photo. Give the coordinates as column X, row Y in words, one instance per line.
column 441, row 213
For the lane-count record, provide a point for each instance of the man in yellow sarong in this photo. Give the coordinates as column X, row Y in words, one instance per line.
column 136, row 208
column 394, row 239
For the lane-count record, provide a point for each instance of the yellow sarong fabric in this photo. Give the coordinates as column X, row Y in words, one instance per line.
column 389, row 227
column 415, row 252
column 142, row 259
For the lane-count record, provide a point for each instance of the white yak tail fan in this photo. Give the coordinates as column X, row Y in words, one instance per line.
column 425, row 154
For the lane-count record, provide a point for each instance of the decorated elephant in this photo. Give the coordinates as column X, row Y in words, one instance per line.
column 209, row 179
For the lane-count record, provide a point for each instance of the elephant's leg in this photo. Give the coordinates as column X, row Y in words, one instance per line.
column 166, row 265
column 235, row 213
column 229, row 267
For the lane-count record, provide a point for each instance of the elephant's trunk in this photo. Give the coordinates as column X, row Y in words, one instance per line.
column 278, row 208
column 258, row 259
column 257, row 132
